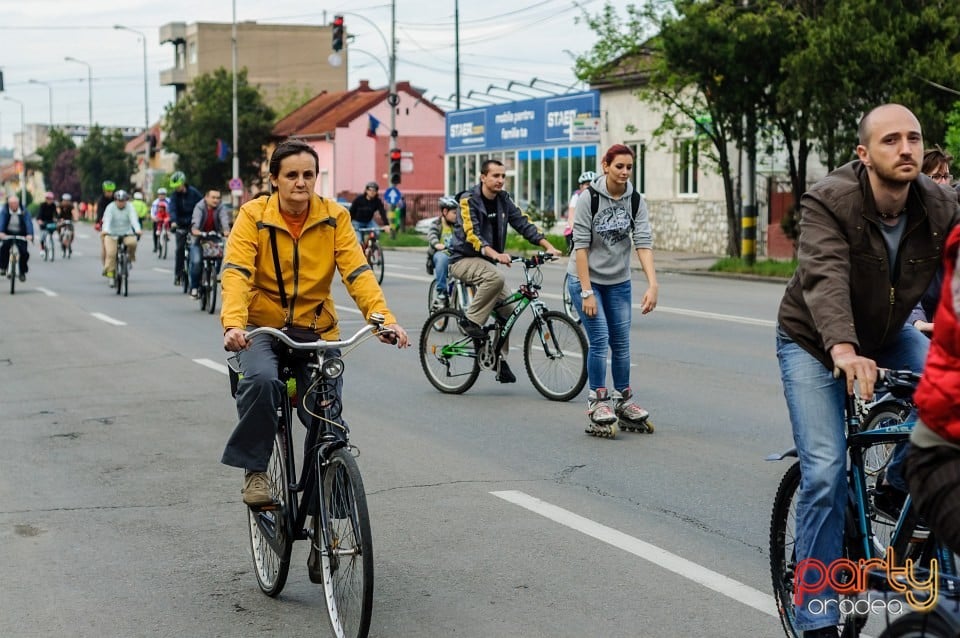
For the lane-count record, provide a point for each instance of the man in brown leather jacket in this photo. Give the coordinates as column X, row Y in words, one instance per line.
column 872, row 234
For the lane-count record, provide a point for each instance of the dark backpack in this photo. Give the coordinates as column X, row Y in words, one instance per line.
column 595, row 205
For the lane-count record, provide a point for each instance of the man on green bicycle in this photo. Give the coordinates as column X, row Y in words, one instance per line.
column 478, row 244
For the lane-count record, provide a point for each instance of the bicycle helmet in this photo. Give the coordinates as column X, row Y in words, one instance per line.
column 109, row 186
column 48, row 195
column 448, row 202
column 138, row 195
column 66, row 197
column 586, row 177
column 373, row 185
column 161, row 191
column 178, row 179
column 121, row 196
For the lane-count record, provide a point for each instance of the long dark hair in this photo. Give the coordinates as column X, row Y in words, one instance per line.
column 287, row 148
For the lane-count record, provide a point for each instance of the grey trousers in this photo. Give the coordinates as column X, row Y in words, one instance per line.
column 490, row 286
column 259, row 394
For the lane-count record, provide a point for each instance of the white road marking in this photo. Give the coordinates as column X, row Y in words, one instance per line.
column 46, row 291
column 347, row 309
column 108, row 319
column 671, row 562
column 213, row 365
column 165, row 271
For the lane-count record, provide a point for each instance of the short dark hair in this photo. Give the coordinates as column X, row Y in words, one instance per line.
column 287, row 148
column 933, row 158
column 485, row 167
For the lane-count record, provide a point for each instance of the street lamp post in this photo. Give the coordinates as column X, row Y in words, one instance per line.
column 89, row 89
column 235, row 164
column 50, row 99
column 23, row 159
column 146, row 113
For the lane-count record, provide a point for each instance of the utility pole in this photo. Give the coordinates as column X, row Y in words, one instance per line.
column 750, row 216
column 236, row 158
column 456, row 45
column 392, row 101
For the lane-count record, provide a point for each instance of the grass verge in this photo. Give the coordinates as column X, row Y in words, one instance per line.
column 762, row 268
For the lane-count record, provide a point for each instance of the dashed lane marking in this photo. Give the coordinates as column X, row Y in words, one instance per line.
column 47, row 291
column 108, row 319
column 213, row 365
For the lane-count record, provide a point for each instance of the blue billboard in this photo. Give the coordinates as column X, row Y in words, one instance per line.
column 537, row 122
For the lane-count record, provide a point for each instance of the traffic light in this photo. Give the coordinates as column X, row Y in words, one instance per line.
column 337, row 33
column 395, row 165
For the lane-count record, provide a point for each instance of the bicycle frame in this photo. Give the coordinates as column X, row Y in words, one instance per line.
column 319, row 444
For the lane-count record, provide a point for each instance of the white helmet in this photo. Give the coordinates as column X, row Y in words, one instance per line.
column 586, row 177
column 138, row 195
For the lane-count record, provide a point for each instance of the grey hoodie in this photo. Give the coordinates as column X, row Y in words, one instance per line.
column 607, row 235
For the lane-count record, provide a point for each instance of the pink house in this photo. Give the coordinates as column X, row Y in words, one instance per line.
column 338, row 125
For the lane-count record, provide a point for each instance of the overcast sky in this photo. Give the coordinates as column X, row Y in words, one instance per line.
column 500, row 40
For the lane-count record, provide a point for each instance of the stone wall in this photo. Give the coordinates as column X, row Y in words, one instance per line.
column 694, row 226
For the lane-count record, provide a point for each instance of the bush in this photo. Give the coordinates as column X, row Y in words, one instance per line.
column 765, row 268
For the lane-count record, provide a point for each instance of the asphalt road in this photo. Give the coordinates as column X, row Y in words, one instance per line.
column 493, row 513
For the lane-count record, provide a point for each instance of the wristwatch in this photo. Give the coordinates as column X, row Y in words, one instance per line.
column 586, row 293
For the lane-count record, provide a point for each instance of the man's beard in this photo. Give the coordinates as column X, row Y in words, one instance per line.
column 893, row 177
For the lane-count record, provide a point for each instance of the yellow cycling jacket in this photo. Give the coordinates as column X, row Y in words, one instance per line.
column 251, row 295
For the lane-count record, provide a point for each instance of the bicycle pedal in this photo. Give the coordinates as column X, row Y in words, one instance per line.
column 269, row 507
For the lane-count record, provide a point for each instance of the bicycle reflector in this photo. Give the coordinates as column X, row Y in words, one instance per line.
column 332, row 368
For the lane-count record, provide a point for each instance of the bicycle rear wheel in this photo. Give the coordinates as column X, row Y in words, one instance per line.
column 346, row 551
column 555, row 354
column 203, row 292
column 448, row 358
column 164, row 241
column 270, row 545
column 12, row 273
column 936, row 624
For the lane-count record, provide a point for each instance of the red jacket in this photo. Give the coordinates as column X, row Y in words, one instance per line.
column 938, row 395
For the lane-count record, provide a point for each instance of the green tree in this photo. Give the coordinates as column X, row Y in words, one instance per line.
column 103, row 157
column 952, row 137
column 64, row 177
column 57, row 144
column 203, row 115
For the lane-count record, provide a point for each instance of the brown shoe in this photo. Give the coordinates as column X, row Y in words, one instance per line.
column 256, row 489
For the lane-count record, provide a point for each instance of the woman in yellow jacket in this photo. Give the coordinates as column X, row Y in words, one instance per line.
column 309, row 237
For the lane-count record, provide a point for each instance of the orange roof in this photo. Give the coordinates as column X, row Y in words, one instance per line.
column 325, row 112
column 136, row 144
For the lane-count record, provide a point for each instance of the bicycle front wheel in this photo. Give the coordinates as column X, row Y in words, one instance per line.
column 448, row 358
column 346, row 552
column 783, row 558
column 555, row 354
column 375, row 259
column 212, row 287
column 270, row 544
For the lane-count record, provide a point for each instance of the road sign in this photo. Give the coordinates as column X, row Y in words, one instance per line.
column 392, row 196
column 236, row 184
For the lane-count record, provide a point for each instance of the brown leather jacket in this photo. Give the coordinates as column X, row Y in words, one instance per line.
column 845, row 290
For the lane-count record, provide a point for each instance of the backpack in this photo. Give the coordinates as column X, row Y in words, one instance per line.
column 595, row 205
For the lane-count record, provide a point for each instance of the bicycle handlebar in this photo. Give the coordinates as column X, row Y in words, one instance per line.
column 376, row 325
column 533, row 262
column 900, row 383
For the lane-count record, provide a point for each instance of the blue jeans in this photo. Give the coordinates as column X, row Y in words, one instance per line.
column 608, row 330
column 363, row 227
column 441, row 261
column 816, row 401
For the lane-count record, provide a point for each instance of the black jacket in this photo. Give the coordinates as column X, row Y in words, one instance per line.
column 476, row 226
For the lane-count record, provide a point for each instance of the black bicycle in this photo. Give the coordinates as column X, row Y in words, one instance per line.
column 329, row 490
column 554, row 347
column 182, row 278
column 13, row 263
column 47, row 244
column 211, row 245
column 121, row 276
column 868, row 534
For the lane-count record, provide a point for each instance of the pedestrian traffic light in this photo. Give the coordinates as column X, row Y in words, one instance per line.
column 337, row 33
column 395, row 165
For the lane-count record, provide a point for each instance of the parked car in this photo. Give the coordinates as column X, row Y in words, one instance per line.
column 423, row 226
